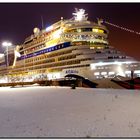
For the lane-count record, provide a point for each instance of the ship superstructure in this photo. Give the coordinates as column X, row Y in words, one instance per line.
column 75, row 46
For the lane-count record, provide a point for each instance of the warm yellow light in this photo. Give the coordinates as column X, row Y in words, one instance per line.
column 79, row 30
column 96, row 73
column 111, row 73
column 57, row 33
column 98, row 30
column 120, row 71
column 99, row 47
column 52, row 42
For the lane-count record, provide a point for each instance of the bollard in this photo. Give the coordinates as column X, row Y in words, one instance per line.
column 73, row 86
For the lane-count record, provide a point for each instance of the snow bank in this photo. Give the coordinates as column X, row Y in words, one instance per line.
column 64, row 112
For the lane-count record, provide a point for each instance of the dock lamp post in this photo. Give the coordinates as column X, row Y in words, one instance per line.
column 7, row 44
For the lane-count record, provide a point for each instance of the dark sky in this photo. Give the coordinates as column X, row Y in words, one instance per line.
column 17, row 21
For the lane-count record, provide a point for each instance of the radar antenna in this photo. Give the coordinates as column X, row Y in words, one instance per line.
column 80, row 15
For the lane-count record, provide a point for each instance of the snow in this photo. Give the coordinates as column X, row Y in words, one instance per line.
column 64, row 112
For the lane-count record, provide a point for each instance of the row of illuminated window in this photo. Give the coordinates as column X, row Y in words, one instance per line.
column 33, row 42
column 104, row 49
column 42, row 57
column 66, row 57
column 72, row 62
column 51, row 60
column 59, row 53
column 83, row 36
column 40, row 38
column 96, row 30
column 40, row 62
column 92, row 44
column 53, row 55
column 68, row 67
column 104, row 73
column 133, row 65
column 53, row 69
column 109, row 67
column 51, row 65
column 39, row 70
column 34, row 49
column 113, row 73
column 36, row 61
column 45, row 58
column 25, row 50
column 41, row 65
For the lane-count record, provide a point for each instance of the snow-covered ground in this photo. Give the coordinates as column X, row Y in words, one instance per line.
column 64, row 112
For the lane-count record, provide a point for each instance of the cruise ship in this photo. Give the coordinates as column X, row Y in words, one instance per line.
column 73, row 46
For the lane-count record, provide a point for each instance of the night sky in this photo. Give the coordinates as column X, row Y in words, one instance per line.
column 17, row 21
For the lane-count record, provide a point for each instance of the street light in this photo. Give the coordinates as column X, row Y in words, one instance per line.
column 7, row 44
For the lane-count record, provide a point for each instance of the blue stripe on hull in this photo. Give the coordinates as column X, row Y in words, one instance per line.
column 51, row 49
